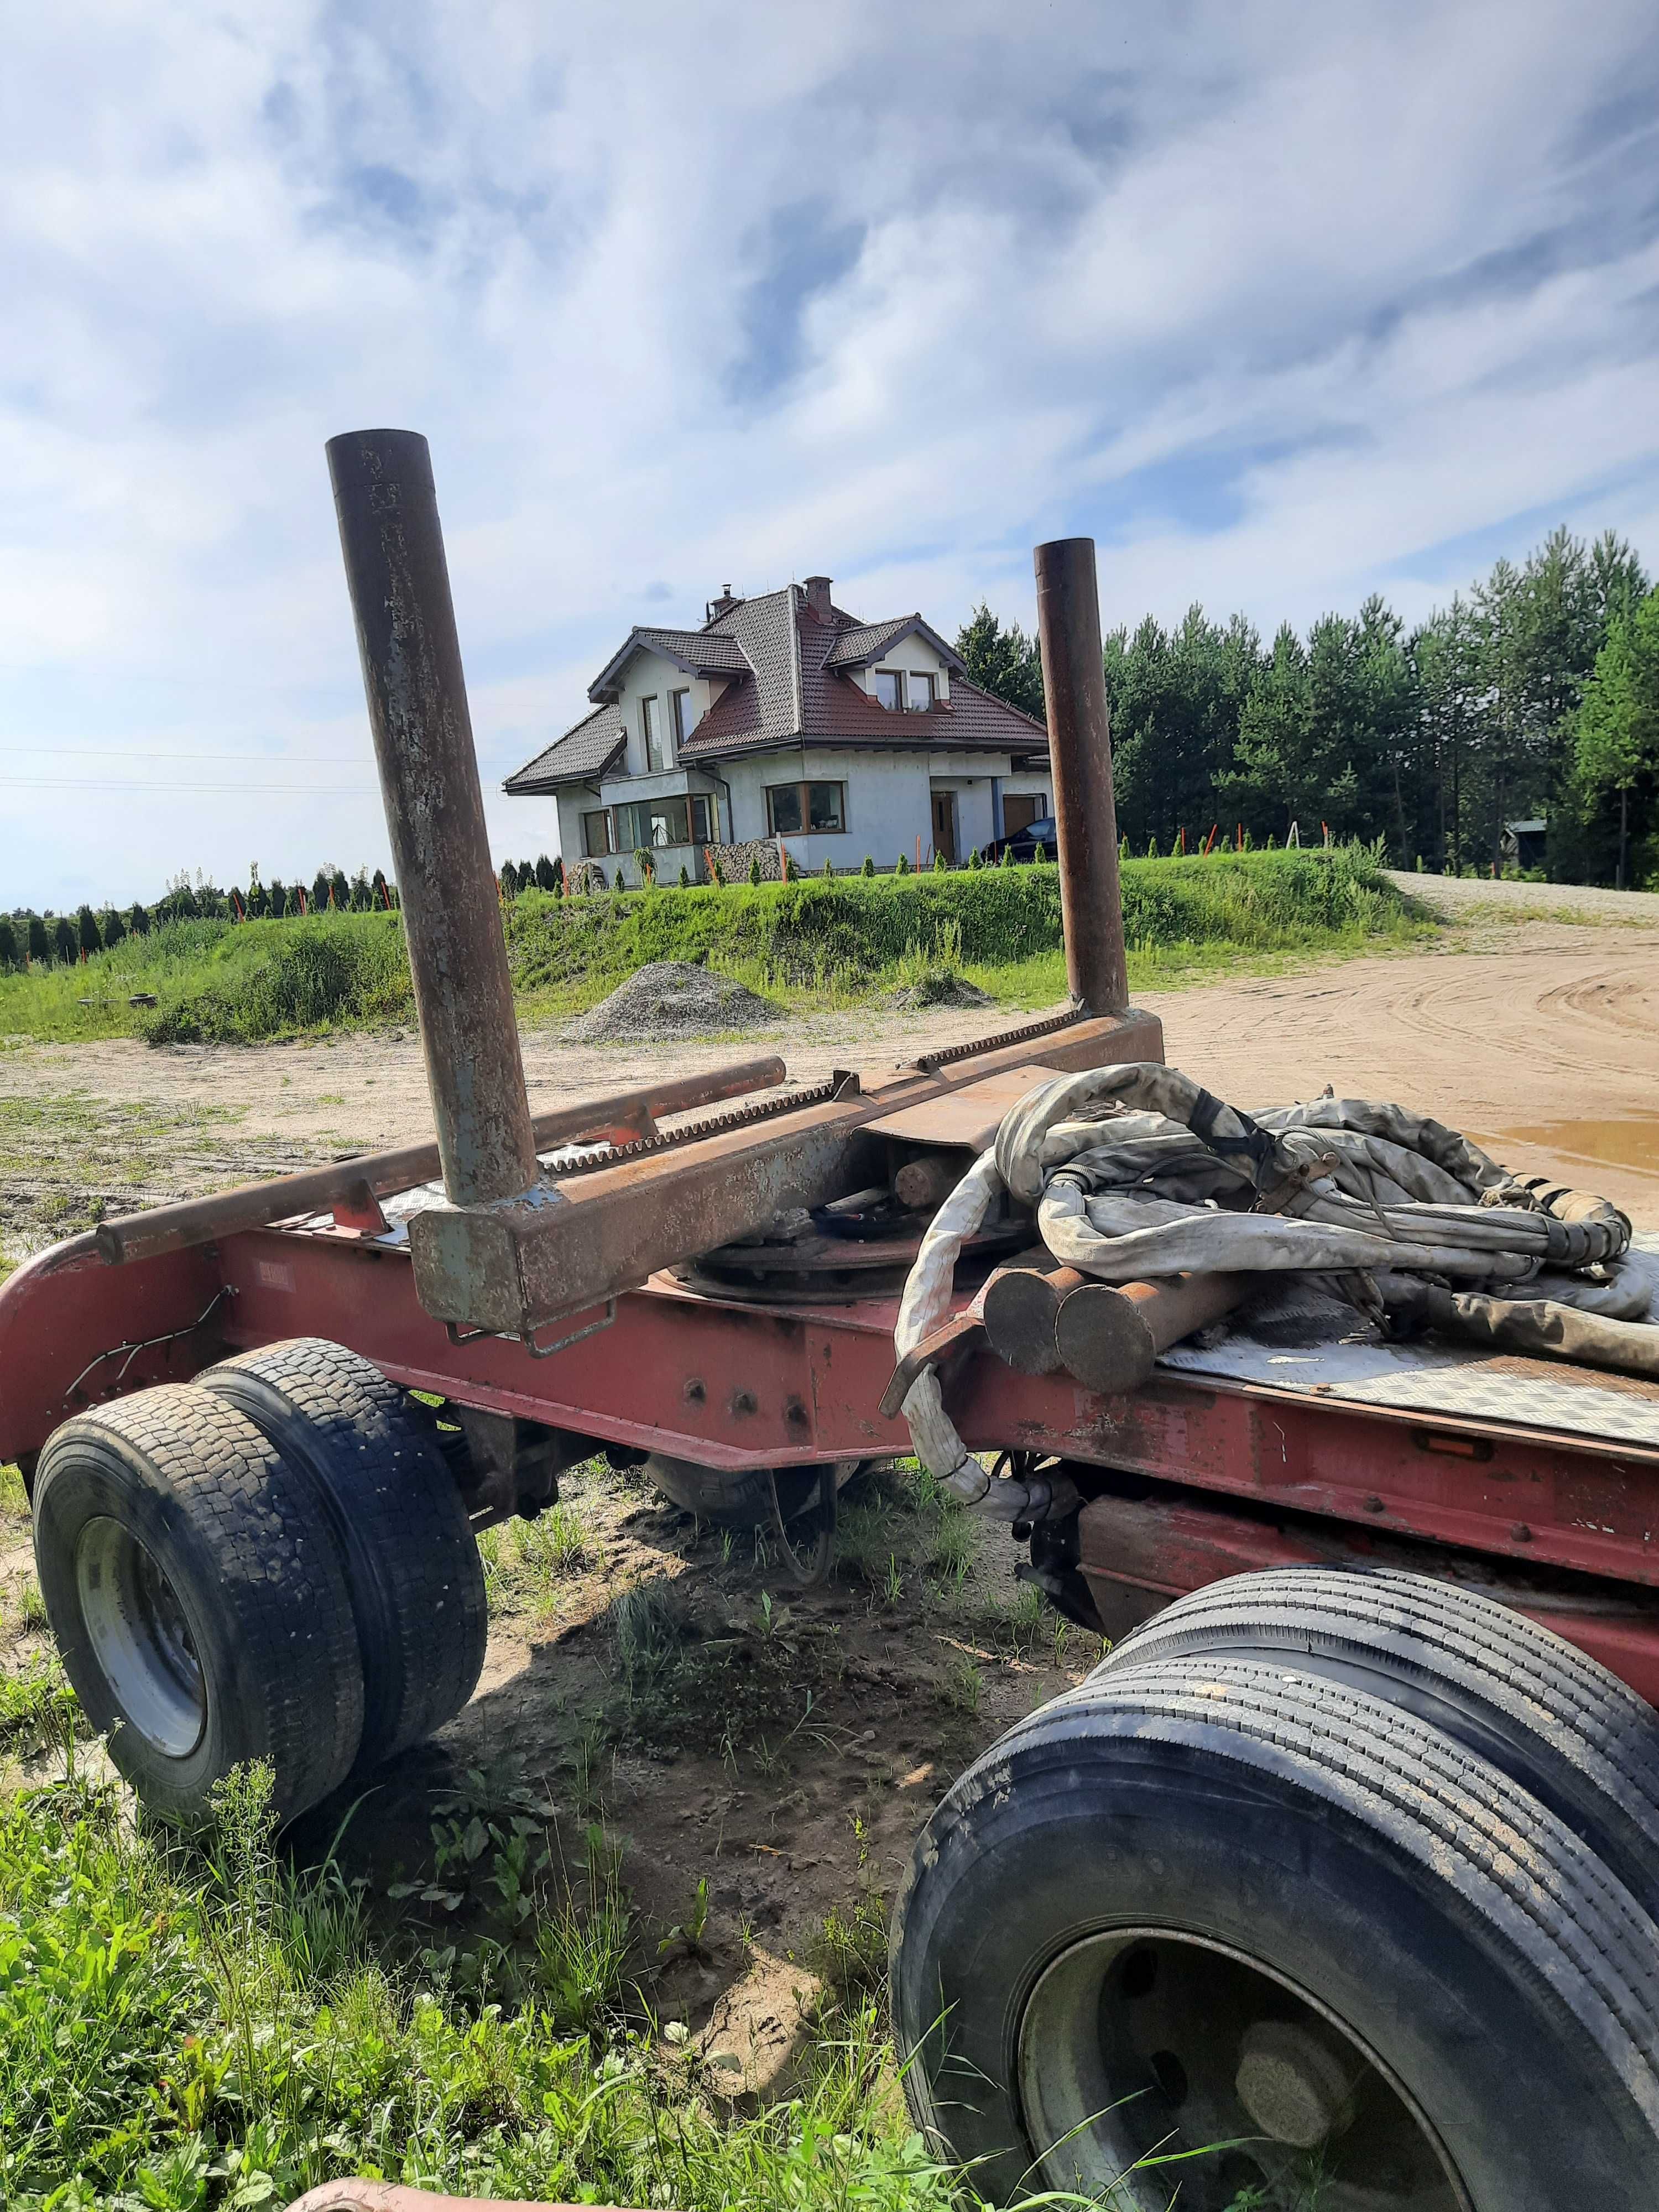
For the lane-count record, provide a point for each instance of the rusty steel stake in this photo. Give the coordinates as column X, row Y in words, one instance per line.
column 1080, row 754
column 418, row 711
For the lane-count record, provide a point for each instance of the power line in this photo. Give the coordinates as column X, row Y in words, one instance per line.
column 149, row 752
column 226, row 790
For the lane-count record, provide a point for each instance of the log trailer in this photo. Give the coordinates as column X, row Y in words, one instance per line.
column 1334, row 1884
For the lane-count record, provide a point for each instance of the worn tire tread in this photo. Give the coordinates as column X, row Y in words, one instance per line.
column 1581, row 1738
column 1486, row 1851
column 412, row 1561
column 279, row 1570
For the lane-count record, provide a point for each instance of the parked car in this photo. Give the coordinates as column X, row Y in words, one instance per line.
column 1024, row 843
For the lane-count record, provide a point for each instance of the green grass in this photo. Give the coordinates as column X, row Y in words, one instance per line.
column 199, row 2027
column 1002, row 927
column 221, row 982
column 824, row 942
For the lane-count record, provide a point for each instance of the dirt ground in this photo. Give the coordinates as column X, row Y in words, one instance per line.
column 1534, row 1023
column 656, row 1686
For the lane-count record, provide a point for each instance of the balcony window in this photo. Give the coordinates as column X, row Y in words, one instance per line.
column 921, row 692
column 651, row 824
column 889, row 688
column 656, row 755
column 685, row 715
column 817, row 808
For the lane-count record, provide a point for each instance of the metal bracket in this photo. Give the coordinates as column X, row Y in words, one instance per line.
column 457, row 1335
column 807, row 1568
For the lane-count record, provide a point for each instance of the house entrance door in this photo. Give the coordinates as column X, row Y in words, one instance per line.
column 945, row 825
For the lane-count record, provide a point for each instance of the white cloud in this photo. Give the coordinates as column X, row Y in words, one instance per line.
column 1281, row 305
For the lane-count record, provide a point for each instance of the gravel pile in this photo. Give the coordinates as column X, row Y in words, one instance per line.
column 941, row 989
column 672, row 998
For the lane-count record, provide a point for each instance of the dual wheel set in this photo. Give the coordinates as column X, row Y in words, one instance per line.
column 272, row 1562
column 1327, row 1890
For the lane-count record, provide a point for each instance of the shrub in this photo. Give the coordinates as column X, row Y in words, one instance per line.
column 9, row 956
column 65, row 944
column 319, row 974
column 869, row 867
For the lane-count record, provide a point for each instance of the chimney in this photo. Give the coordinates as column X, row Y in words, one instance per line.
column 723, row 605
column 817, row 598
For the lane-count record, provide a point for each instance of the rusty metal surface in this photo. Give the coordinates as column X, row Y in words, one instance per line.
column 1080, row 756
column 1138, row 1554
column 199, row 1220
column 418, row 711
column 1020, row 1306
column 968, row 1117
column 511, row 1268
column 1110, row 1335
column 1027, row 1032
column 841, row 1083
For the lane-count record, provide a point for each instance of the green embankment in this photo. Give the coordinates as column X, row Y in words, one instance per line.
column 813, row 939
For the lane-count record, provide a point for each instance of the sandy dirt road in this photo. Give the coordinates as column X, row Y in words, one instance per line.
column 1538, row 1033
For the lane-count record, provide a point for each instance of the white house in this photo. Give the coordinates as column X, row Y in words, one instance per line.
column 783, row 716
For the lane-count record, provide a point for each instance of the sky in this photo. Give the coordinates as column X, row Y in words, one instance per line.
column 1281, row 305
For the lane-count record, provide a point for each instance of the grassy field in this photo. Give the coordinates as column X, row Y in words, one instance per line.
column 828, row 942
column 470, row 1996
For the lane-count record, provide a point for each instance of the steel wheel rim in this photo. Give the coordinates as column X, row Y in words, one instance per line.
column 1106, row 2077
column 140, row 1638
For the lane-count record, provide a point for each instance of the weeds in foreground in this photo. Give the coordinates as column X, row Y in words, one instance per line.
column 195, row 2026
column 37, row 1710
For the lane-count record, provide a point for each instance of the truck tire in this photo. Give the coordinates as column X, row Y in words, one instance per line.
column 199, row 1599
column 740, row 1498
column 1215, row 1906
column 1545, row 1714
column 381, row 1480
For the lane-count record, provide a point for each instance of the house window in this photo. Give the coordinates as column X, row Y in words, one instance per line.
column 819, row 808
column 651, row 721
column 921, row 693
column 888, row 688
column 652, row 823
column 596, row 835
column 1020, row 809
column 685, row 715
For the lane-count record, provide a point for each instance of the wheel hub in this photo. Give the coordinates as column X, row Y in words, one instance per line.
column 140, row 1637
column 1293, row 2084
column 1146, row 2045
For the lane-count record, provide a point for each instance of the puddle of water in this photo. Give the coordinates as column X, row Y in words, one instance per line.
column 1633, row 1144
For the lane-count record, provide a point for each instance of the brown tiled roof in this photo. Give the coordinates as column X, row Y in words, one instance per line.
column 862, row 642
column 786, row 689
column 709, row 651
column 580, row 756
